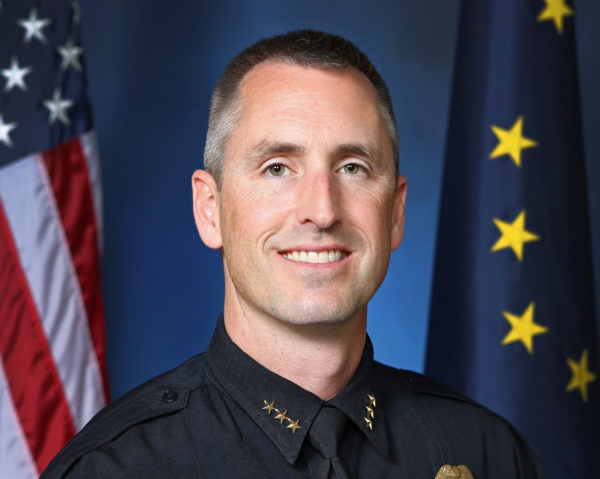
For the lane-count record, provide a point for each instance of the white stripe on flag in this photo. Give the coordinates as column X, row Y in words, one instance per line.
column 45, row 257
column 89, row 145
column 15, row 457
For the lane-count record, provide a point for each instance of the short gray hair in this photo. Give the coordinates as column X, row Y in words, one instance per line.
column 303, row 47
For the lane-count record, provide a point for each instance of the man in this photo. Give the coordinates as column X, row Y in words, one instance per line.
column 302, row 197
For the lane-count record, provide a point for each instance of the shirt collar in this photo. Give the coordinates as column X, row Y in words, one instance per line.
column 278, row 405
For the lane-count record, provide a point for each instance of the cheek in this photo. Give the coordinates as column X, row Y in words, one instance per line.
column 250, row 216
column 372, row 213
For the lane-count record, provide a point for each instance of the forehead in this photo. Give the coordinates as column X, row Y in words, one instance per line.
column 277, row 81
column 280, row 74
column 340, row 104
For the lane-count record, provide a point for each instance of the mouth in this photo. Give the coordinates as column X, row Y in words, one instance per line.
column 316, row 257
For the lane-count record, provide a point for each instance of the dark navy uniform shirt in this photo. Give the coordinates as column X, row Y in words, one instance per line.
column 222, row 415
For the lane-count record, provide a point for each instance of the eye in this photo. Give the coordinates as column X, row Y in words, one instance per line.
column 277, row 169
column 352, row 169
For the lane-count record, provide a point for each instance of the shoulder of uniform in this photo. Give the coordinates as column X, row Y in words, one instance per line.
column 426, row 386
column 421, row 384
column 161, row 395
column 450, row 417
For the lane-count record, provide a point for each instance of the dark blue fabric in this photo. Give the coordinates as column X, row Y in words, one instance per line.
column 325, row 436
column 207, row 418
column 509, row 64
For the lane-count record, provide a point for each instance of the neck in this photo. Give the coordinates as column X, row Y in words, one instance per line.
column 320, row 358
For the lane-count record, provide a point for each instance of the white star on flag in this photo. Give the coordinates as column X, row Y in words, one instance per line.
column 70, row 55
column 15, row 76
column 5, row 129
column 58, row 108
column 33, row 26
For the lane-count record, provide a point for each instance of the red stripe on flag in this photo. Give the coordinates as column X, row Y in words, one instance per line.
column 31, row 374
column 68, row 173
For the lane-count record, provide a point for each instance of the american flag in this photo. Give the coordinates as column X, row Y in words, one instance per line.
column 52, row 351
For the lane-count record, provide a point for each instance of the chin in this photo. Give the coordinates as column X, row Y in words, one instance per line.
column 313, row 313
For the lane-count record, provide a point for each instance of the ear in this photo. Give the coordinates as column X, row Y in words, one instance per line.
column 206, row 208
column 398, row 213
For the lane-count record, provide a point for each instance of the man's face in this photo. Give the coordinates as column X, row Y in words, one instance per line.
column 309, row 208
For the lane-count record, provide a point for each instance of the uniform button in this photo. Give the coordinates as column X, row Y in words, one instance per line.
column 169, row 396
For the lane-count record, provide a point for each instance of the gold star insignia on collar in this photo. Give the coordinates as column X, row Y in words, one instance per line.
column 293, row 425
column 269, row 406
column 281, row 416
column 370, row 407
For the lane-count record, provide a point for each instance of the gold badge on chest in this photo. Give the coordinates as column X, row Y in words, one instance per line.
column 454, row 472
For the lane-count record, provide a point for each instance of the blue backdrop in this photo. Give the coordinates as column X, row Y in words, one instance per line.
column 152, row 66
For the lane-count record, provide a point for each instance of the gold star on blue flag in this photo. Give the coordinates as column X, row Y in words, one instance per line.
column 516, row 229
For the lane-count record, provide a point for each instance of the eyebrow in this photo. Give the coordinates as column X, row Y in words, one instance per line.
column 268, row 148
column 369, row 151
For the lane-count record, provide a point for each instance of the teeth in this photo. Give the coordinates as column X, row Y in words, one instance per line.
column 316, row 257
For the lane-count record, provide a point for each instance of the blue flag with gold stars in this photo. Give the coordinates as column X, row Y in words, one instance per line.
column 512, row 320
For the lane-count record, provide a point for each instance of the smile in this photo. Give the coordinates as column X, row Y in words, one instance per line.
column 315, row 256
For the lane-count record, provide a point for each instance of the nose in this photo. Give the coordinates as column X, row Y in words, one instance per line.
column 317, row 200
